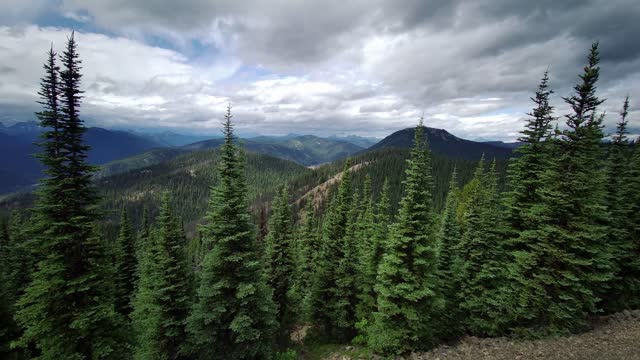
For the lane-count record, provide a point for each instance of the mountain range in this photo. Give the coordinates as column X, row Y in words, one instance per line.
column 170, row 138
column 19, row 168
column 121, row 151
column 303, row 149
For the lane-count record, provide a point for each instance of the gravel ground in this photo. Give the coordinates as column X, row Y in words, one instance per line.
column 616, row 337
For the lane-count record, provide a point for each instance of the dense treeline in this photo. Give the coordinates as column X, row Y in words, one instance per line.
column 407, row 251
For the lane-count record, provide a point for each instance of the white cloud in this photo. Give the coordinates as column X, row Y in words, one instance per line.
column 366, row 66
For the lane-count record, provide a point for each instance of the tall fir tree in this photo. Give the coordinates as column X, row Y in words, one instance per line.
column 7, row 325
column 480, row 257
column 620, row 242
column 524, row 171
column 20, row 256
column 18, row 262
column 383, row 222
column 263, row 228
column 279, row 254
column 162, row 301
column 369, row 253
column 524, row 217
column 234, row 315
column 145, row 317
column 325, row 290
column 448, row 244
column 308, row 247
column 346, row 295
column 143, row 235
column 68, row 309
column 407, row 276
column 629, row 273
column 126, row 265
column 572, row 262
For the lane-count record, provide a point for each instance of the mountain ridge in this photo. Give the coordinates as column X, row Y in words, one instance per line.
column 444, row 143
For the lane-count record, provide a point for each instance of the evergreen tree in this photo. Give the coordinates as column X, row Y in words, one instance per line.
column 20, row 257
column 307, row 252
column 263, row 229
column 17, row 263
column 369, row 254
column 523, row 211
column 570, row 261
column 383, row 221
column 407, row 276
column 279, row 255
column 234, row 316
column 126, row 266
column 143, row 235
column 346, row 295
column 524, row 171
column 326, row 296
column 629, row 273
column 480, row 258
column 146, row 319
column 448, row 244
column 162, row 301
column 620, row 241
column 67, row 311
column 7, row 325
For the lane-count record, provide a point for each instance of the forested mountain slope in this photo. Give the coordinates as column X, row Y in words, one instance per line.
column 444, row 143
column 19, row 169
column 138, row 181
column 305, row 149
column 189, row 177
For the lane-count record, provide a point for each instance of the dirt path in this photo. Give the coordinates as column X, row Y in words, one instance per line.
column 616, row 337
column 613, row 339
column 319, row 192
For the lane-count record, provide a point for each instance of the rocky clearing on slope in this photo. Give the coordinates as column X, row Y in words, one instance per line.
column 615, row 337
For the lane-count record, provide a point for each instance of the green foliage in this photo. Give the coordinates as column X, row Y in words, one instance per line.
column 331, row 294
column 629, row 272
column 279, row 255
column 234, row 315
column 568, row 263
column 344, row 311
column 163, row 297
column 7, row 325
column 190, row 178
column 524, row 216
column 524, row 171
column 372, row 235
column 67, row 310
column 306, row 149
column 448, row 248
column 126, row 266
column 307, row 250
column 407, row 276
column 20, row 261
column 287, row 355
column 480, row 257
column 17, row 262
column 626, row 268
column 390, row 164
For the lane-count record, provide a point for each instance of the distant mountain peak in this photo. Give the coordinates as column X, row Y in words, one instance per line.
column 444, row 143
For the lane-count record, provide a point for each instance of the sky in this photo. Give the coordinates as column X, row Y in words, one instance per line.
column 363, row 67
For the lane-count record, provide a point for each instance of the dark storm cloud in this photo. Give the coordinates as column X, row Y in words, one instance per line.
column 277, row 33
column 370, row 62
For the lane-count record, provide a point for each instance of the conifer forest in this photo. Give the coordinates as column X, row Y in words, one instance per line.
column 228, row 253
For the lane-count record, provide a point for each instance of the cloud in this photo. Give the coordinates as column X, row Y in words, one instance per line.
column 364, row 66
